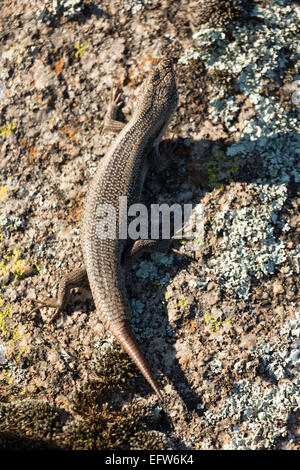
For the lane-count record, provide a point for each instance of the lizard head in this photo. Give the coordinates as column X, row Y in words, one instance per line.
column 162, row 80
column 159, row 92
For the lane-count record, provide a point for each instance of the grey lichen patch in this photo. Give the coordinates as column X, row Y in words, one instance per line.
column 249, row 248
column 292, row 328
column 258, row 413
column 136, row 6
column 153, row 273
column 270, row 135
column 150, row 269
column 3, row 359
column 278, row 364
column 278, row 361
column 11, row 222
column 67, row 8
column 226, row 111
column 215, row 366
column 257, row 53
column 295, row 254
column 263, row 414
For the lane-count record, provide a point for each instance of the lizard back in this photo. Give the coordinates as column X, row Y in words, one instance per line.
column 121, row 172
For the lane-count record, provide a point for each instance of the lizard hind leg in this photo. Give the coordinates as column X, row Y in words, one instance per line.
column 134, row 252
column 161, row 156
column 75, row 278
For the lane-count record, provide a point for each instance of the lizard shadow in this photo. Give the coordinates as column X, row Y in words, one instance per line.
column 163, row 334
column 13, row 441
column 151, row 292
column 197, row 165
column 88, row 10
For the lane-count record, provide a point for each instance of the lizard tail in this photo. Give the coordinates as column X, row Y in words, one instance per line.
column 130, row 345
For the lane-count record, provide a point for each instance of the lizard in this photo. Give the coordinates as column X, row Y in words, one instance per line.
column 121, row 172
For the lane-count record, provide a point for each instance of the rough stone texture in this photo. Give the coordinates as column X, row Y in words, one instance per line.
column 222, row 329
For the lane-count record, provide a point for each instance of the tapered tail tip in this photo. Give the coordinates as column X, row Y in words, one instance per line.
column 129, row 344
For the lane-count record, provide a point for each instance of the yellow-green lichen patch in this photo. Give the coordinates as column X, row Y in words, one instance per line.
column 167, row 295
column 181, row 301
column 12, row 263
column 214, row 323
column 20, row 53
column 81, row 49
column 220, row 169
column 7, row 128
column 5, row 313
column 3, row 192
column 12, row 336
column 157, row 285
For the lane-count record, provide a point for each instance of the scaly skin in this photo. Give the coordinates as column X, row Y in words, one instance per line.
column 121, row 173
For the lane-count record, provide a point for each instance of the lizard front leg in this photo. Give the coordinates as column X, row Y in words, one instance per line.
column 76, row 278
column 110, row 121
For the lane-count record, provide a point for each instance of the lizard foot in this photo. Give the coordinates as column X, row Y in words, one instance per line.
column 53, row 303
column 110, row 121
